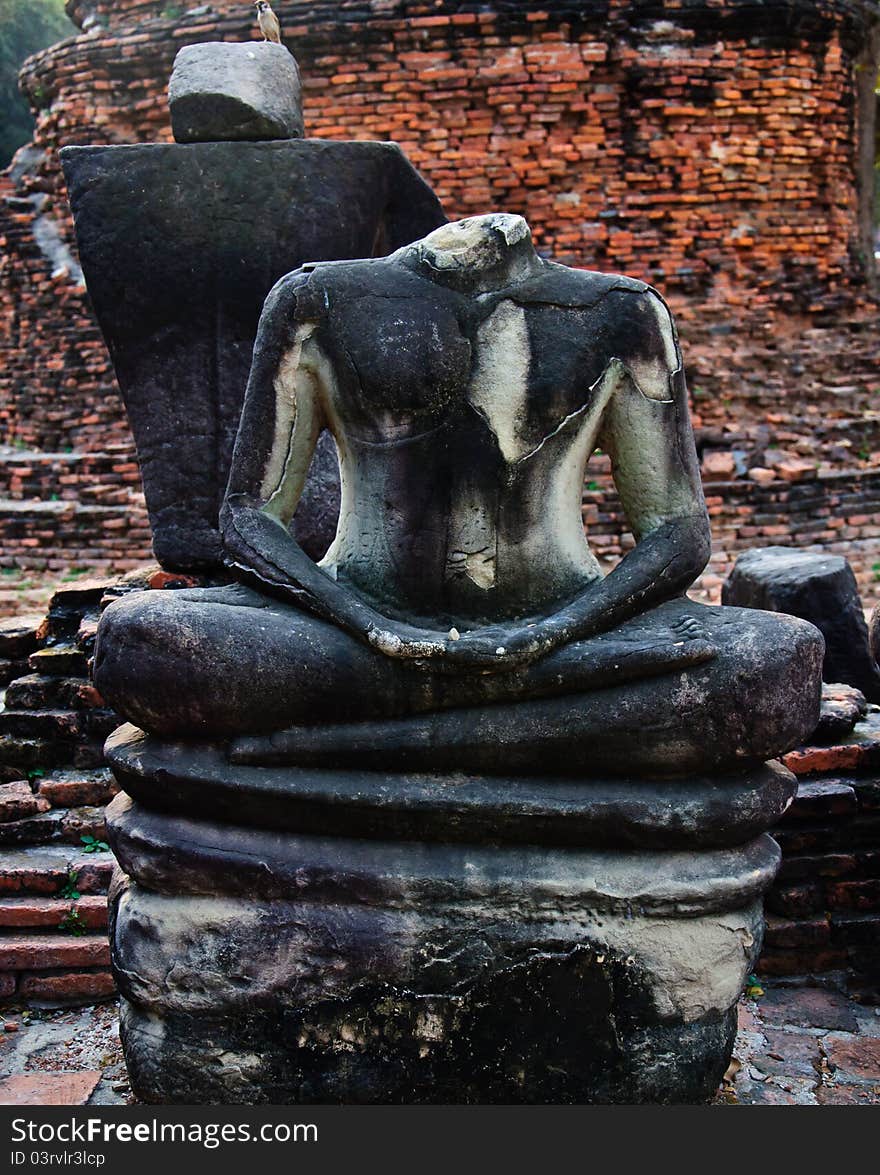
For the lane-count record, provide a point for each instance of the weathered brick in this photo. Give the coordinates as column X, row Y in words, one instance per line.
column 88, row 913
column 70, row 987
column 33, row 953
column 49, row 1088
column 17, row 802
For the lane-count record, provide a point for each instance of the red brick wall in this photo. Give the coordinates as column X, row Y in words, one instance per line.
column 709, row 148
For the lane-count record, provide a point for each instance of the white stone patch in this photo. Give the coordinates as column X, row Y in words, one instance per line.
column 285, row 387
column 499, row 387
column 652, row 374
column 472, row 241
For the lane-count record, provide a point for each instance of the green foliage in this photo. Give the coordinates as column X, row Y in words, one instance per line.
column 68, row 889
column 91, row 845
column 72, row 923
column 25, row 27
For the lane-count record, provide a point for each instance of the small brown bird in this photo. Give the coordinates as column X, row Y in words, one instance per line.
column 268, row 22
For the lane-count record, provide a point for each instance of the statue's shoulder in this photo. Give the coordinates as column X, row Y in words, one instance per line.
column 563, row 285
column 319, row 286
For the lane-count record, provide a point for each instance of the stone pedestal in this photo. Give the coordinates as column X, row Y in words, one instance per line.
column 443, row 939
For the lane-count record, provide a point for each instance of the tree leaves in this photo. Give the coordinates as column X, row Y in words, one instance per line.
column 25, row 27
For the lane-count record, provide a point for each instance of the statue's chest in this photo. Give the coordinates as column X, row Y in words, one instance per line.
column 406, row 358
column 411, row 363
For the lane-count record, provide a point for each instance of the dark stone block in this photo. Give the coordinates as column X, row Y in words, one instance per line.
column 18, row 638
column 842, row 707
column 180, row 244
column 816, row 587
column 223, row 91
column 822, row 798
column 498, row 1042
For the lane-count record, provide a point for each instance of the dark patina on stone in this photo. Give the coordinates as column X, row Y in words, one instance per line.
column 264, row 967
column 694, row 811
column 449, row 816
column 180, row 244
column 817, row 587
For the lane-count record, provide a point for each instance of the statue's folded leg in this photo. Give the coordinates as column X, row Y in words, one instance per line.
column 226, row 662
column 753, row 701
column 218, row 662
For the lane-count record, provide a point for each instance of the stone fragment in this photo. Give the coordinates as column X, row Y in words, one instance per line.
column 18, row 636
column 761, row 475
column 222, row 91
column 816, row 587
column 807, row 1007
column 842, row 707
column 156, row 225
column 48, row 1089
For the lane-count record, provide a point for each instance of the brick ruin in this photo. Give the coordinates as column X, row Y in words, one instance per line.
column 719, row 149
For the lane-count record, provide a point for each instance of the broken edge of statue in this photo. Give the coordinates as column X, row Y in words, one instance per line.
column 449, row 817
column 180, row 244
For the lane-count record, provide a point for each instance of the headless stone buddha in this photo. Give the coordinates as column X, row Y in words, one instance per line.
column 459, row 619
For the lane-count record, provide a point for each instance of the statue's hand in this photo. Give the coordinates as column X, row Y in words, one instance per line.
column 405, row 641
column 492, row 648
column 499, row 648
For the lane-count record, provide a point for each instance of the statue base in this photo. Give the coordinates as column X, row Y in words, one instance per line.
column 296, row 966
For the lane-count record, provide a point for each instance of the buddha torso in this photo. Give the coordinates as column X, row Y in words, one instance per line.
column 464, row 427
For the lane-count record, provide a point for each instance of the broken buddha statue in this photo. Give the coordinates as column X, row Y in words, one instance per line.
column 459, row 619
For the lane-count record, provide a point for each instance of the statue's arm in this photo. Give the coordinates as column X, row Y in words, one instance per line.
column 285, row 408
column 647, row 433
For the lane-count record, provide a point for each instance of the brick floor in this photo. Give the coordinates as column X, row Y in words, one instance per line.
column 805, row 1046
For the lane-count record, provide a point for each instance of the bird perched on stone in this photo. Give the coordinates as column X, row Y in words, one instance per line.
column 268, row 22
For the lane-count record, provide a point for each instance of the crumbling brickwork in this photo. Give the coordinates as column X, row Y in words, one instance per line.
column 707, row 146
